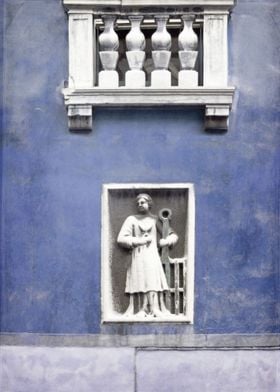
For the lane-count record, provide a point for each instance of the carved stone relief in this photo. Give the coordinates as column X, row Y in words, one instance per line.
column 148, row 253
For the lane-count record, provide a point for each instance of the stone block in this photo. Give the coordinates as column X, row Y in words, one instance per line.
column 108, row 79
column 135, row 79
column 161, row 79
column 188, row 79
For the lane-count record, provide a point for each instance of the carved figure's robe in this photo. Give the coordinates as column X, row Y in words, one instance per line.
column 145, row 272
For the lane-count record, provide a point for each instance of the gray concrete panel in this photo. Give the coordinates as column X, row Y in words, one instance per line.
column 44, row 369
column 208, row 371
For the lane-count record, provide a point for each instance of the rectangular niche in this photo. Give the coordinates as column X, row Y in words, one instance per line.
column 123, row 296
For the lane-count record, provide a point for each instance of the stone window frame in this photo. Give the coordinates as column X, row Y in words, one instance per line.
column 82, row 96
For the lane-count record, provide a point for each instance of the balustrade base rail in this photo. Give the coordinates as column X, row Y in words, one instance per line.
column 147, row 96
column 216, row 101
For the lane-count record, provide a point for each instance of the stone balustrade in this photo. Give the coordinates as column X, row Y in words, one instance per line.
column 185, row 41
column 148, row 53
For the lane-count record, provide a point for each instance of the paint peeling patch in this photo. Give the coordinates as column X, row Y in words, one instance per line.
column 13, row 14
column 207, row 187
column 261, row 272
column 264, row 216
column 39, row 295
column 273, row 68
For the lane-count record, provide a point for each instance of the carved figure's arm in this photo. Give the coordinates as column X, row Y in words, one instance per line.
column 127, row 238
column 126, row 235
column 170, row 240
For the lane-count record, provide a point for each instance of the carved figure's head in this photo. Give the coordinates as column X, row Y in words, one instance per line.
column 144, row 202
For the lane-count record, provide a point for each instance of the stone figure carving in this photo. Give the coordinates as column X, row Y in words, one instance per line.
column 145, row 275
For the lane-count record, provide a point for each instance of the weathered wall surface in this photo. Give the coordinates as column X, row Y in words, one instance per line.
column 1, row 131
column 52, row 181
column 26, row 369
column 51, row 199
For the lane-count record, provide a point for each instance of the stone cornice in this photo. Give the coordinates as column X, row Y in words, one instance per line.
column 171, row 5
column 148, row 96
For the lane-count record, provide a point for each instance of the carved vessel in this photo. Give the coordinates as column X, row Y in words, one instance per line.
column 108, row 39
column 161, row 44
column 135, row 43
column 109, row 44
column 187, row 39
column 188, row 43
column 135, row 39
column 161, row 39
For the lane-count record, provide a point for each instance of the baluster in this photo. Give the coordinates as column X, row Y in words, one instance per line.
column 135, row 44
column 161, row 44
column 109, row 45
column 188, row 43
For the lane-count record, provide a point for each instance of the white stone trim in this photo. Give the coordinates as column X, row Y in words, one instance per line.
column 106, row 284
column 191, row 255
column 214, row 110
column 80, row 116
column 107, row 312
column 215, row 52
column 81, row 55
column 147, row 96
column 148, row 3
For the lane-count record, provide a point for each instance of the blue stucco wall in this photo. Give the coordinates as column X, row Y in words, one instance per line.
column 52, row 182
column 1, row 122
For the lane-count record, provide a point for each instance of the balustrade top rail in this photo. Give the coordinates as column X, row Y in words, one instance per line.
column 96, row 5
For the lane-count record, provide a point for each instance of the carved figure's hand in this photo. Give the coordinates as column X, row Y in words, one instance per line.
column 163, row 242
column 146, row 240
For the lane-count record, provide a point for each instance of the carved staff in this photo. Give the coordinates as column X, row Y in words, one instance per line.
column 165, row 215
column 178, row 266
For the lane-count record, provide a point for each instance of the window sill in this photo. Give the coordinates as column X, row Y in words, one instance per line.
column 81, row 101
